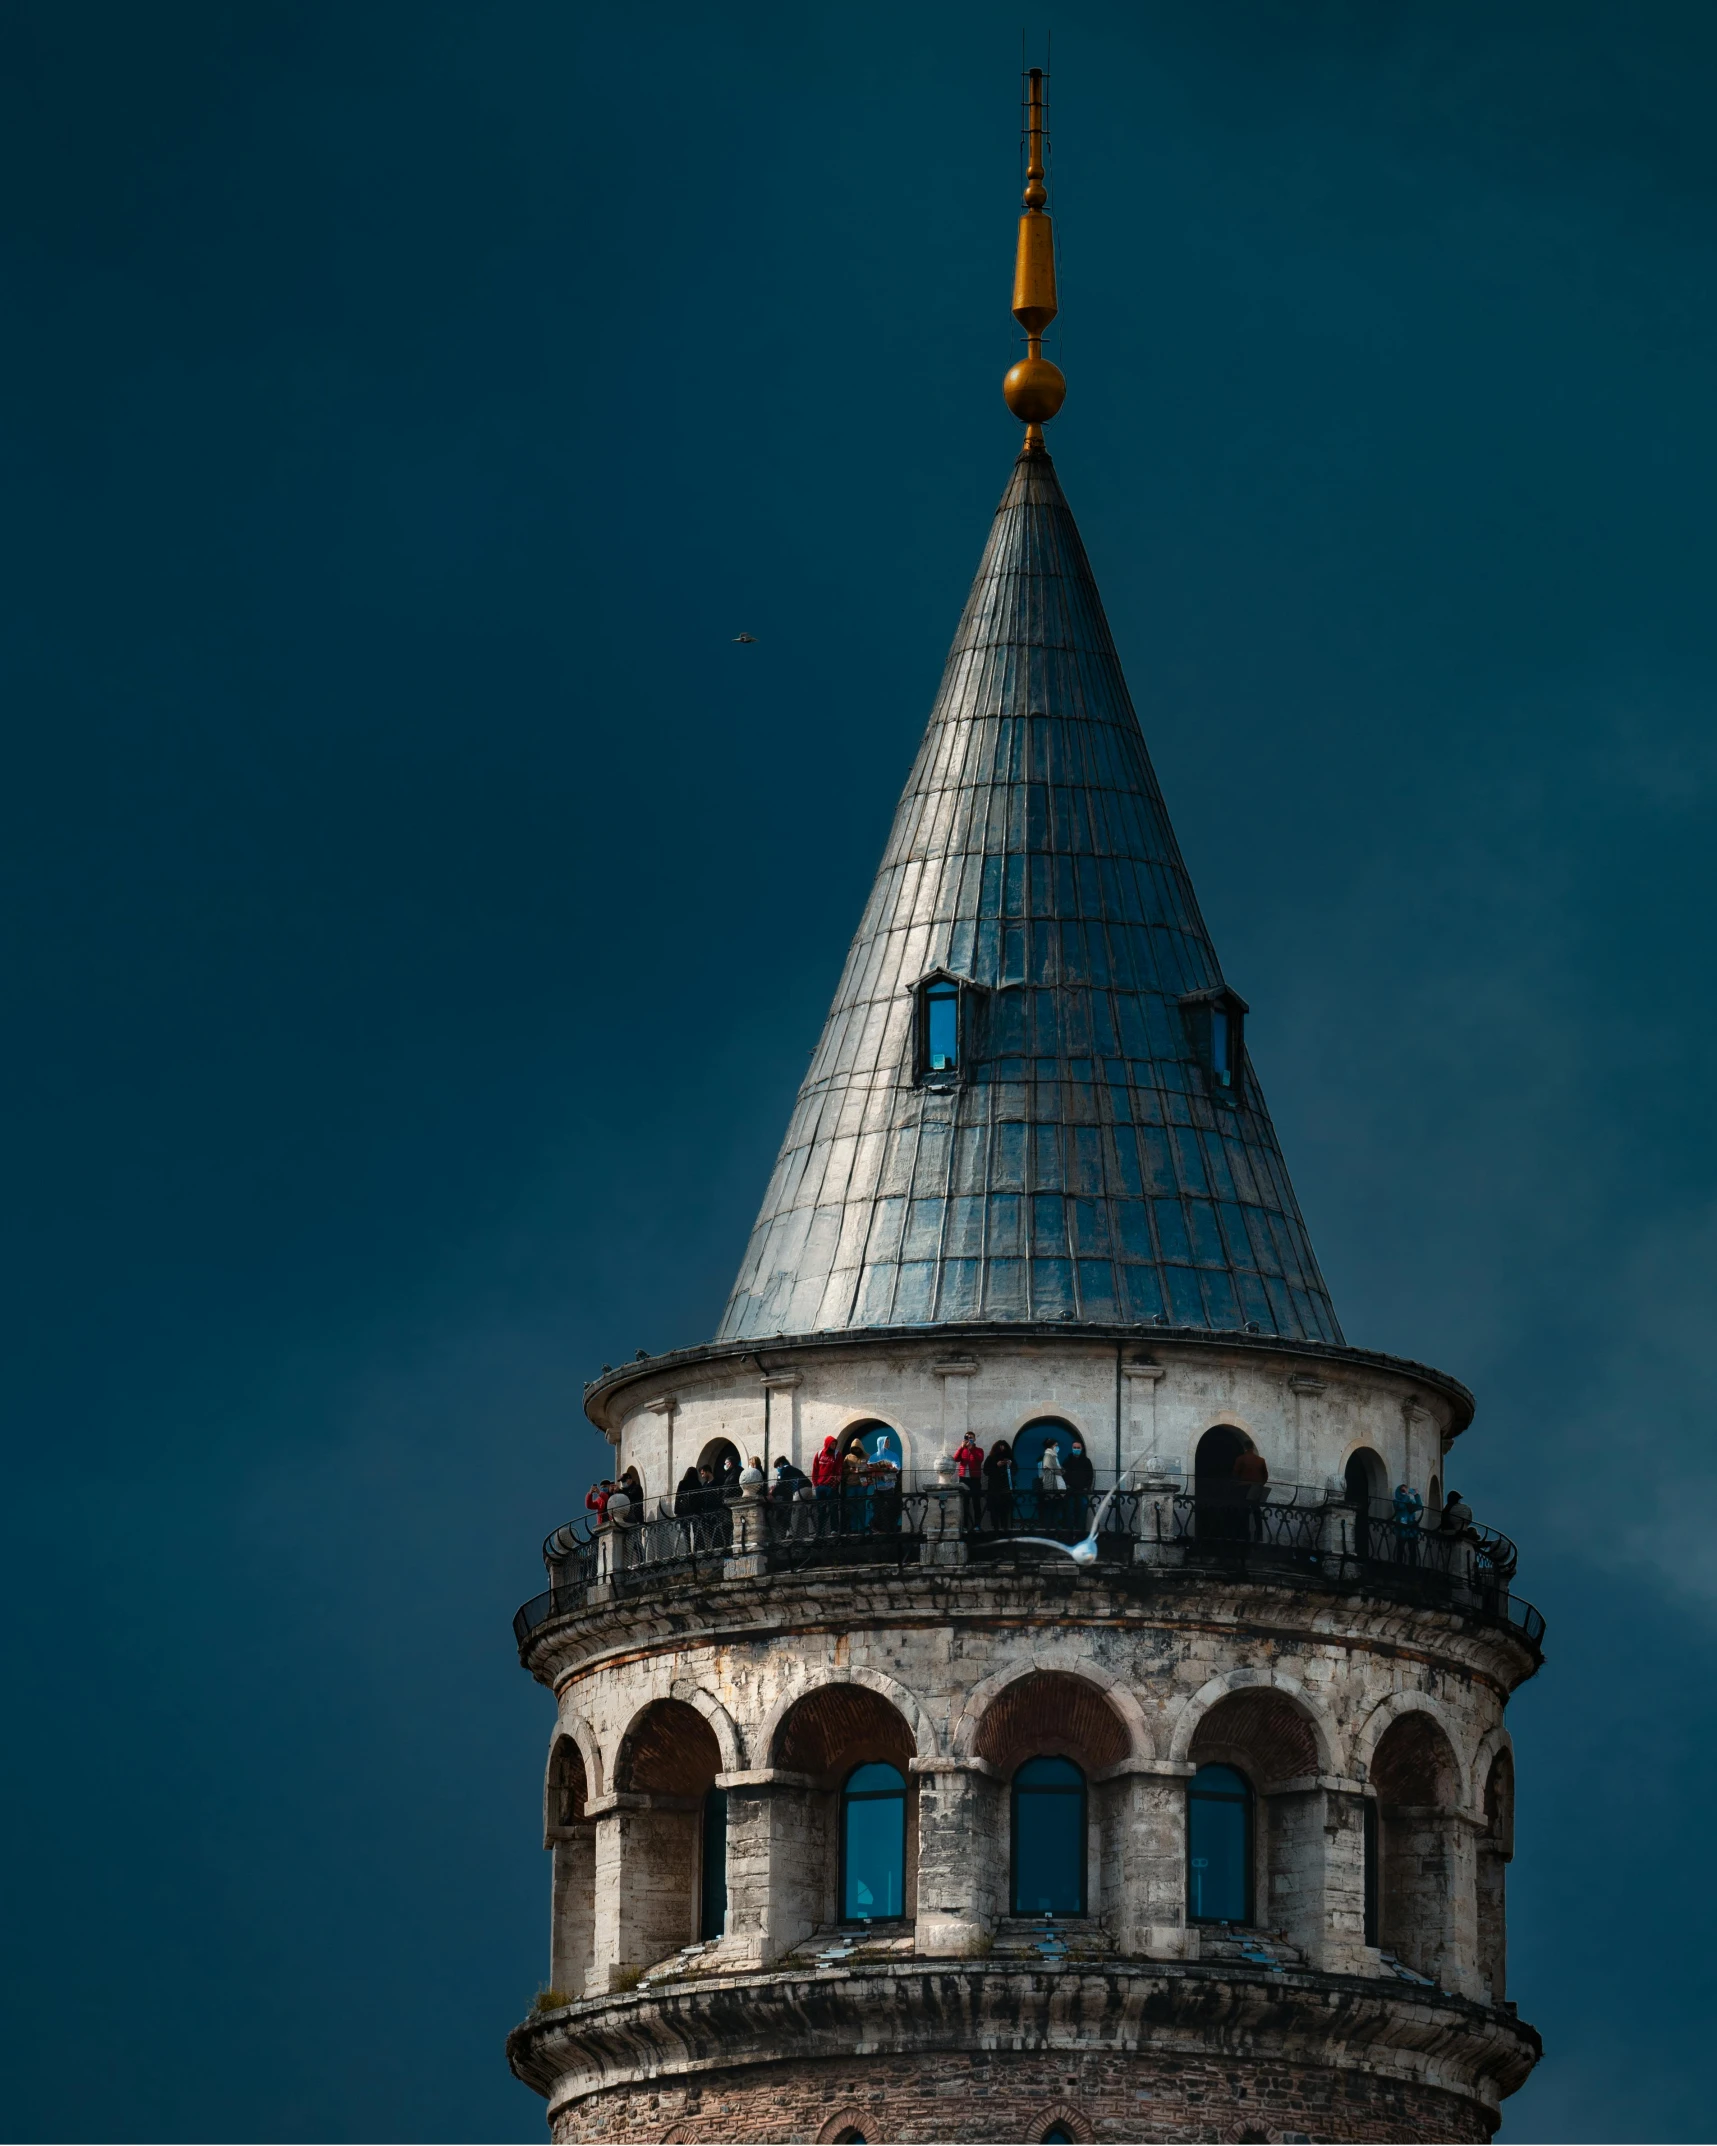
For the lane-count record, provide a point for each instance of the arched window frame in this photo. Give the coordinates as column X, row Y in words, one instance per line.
column 1216, row 1028
column 1084, row 1794
column 849, row 1796
column 1249, row 1850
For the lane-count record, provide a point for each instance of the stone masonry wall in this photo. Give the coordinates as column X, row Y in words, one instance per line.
column 1018, row 2096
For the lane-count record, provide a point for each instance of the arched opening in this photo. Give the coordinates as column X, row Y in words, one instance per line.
column 873, row 1844
column 1496, row 1849
column 876, row 1441
column 1049, row 1838
column 668, row 1762
column 721, row 1458
column 1368, row 1494
column 1272, row 1814
column 1042, row 1505
column 856, row 1820
column 1414, row 1773
column 1218, row 1490
column 1219, row 1851
column 571, row 1839
column 1052, row 1732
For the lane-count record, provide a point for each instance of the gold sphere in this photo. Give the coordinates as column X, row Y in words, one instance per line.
column 1034, row 390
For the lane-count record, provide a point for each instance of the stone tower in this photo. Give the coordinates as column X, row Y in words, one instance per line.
column 1151, row 1783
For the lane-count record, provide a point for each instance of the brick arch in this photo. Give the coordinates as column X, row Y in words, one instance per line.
column 1414, row 1762
column 838, row 1725
column 1050, row 1713
column 963, row 1737
column 1497, row 1745
column 920, row 1729
column 718, row 1717
column 1375, row 1725
column 1324, row 1745
column 669, row 1749
column 1060, row 2112
column 851, row 2118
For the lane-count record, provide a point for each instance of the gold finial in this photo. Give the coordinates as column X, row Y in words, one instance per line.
column 1034, row 388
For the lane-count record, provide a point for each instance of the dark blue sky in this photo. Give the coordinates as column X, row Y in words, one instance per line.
column 419, row 912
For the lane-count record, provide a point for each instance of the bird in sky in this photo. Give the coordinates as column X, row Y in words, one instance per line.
column 738, row 637
column 1085, row 1552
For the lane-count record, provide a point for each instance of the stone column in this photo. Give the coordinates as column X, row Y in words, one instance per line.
column 1304, row 1386
column 1142, row 1807
column 1314, row 1857
column 962, row 1856
column 782, row 1387
column 779, row 1886
column 646, row 1861
column 1143, row 1381
column 572, row 1934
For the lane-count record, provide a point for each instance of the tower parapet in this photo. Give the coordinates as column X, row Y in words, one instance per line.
column 1039, row 1683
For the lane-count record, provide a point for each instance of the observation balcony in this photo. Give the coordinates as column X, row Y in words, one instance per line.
column 1315, row 1537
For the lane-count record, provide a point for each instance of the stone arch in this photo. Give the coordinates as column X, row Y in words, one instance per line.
column 668, row 1749
column 566, row 1784
column 718, row 1717
column 904, row 1702
column 579, row 1731
column 570, row 1837
column 1416, row 1774
column 825, row 1727
column 1494, row 1778
column 1376, row 1722
column 1494, row 1741
column 871, row 1419
column 1212, row 1694
column 966, row 1729
column 828, row 1729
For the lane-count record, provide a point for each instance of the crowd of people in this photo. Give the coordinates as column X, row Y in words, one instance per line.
column 850, row 1490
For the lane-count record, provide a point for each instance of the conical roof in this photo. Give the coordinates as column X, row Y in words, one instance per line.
column 1084, row 1163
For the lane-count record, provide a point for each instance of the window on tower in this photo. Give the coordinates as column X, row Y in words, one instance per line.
column 1215, row 1027
column 942, row 1013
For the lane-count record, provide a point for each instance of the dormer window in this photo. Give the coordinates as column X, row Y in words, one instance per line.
column 941, row 1017
column 1215, row 1022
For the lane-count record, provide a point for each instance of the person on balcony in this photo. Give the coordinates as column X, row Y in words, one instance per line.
column 999, row 1485
column 1456, row 1517
column 1409, row 1509
column 1051, row 1488
column 686, row 1494
column 969, row 1467
column 1252, row 1473
column 882, row 1479
column 1081, row 1481
column 596, row 1501
column 632, row 1484
column 826, row 1482
column 853, row 1497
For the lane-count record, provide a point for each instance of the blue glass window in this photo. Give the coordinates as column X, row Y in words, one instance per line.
column 873, row 1844
column 1049, row 1838
column 1220, row 1063
column 1219, row 1846
column 942, row 1027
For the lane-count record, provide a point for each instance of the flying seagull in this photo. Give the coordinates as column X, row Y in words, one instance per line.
column 1082, row 1553
column 738, row 637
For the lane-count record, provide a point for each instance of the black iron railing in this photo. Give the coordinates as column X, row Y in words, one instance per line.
column 1240, row 1530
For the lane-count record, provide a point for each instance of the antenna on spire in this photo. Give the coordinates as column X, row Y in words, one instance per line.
column 1034, row 388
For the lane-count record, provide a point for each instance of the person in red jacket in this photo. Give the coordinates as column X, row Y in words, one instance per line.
column 969, row 1461
column 826, row 1483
